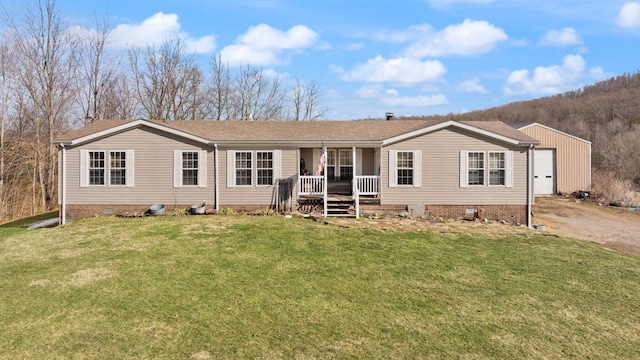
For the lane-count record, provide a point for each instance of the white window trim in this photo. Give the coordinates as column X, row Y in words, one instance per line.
column 464, row 171
column 202, row 169
column 84, row 168
column 231, row 168
column 417, row 168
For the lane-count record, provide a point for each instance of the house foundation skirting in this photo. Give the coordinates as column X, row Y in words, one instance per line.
column 74, row 212
column 513, row 214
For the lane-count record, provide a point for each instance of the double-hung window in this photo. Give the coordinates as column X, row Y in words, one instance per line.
column 243, row 168
column 486, row 168
column 405, row 168
column 252, row 167
column 117, row 168
column 264, row 167
column 106, row 168
column 476, row 168
column 189, row 168
column 497, row 168
column 96, row 167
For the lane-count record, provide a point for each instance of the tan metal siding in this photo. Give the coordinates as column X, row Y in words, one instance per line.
column 441, row 172
column 153, row 172
column 255, row 195
column 573, row 158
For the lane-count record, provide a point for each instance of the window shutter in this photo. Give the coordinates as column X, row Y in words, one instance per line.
column 417, row 168
column 202, row 169
column 84, row 168
column 393, row 173
column 359, row 162
column 129, row 163
column 277, row 165
column 464, row 174
column 177, row 168
column 231, row 168
column 508, row 174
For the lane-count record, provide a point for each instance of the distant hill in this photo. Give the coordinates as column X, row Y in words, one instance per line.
column 606, row 113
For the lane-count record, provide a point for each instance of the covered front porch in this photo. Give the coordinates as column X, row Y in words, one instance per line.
column 341, row 182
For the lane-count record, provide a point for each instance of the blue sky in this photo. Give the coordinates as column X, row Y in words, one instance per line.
column 409, row 57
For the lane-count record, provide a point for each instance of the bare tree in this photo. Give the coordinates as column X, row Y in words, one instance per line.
column 256, row 97
column 219, row 90
column 98, row 74
column 306, row 102
column 45, row 69
column 167, row 81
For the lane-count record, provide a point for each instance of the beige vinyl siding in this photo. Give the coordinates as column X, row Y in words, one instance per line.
column 153, row 171
column 255, row 194
column 573, row 157
column 440, row 172
column 368, row 162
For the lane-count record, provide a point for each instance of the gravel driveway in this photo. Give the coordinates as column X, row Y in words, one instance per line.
column 617, row 228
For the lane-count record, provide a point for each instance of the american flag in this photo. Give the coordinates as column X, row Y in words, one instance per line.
column 321, row 162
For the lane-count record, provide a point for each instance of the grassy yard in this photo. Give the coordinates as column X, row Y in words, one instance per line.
column 205, row 287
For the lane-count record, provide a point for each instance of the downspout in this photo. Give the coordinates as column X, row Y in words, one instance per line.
column 529, row 185
column 215, row 169
column 63, row 190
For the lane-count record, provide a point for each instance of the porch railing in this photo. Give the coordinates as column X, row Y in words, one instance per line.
column 367, row 185
column 311, row 185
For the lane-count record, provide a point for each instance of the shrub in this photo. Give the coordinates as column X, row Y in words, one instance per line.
column 611, row 188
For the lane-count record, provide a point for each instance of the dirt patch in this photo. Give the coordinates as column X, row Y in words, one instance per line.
column 614, row 227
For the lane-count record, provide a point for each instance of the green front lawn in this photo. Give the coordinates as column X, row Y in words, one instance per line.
column 269, row 287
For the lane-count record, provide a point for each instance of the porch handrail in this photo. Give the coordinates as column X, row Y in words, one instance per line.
column 310, row 185
column 367, row 185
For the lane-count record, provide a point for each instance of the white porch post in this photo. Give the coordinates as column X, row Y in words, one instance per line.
column 326, row 182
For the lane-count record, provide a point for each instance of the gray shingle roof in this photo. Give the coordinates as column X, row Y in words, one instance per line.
column 298, row 131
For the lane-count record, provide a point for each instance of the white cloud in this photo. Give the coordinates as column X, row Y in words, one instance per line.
column 563, row 37
column 629, row 16
column 442, row 4
column 547, row 80
column 263, row 45
column 159, row 28
column 469, row 38
column 420, row 101
column 370, row 91
column 472, row 86
column 403, row 71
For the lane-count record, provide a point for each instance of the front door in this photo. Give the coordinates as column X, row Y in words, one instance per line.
column 340, row 164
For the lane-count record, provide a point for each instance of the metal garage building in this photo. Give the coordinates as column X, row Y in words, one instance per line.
column 562, row 162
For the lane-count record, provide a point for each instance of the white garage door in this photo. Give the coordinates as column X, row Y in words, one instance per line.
column 544, row 172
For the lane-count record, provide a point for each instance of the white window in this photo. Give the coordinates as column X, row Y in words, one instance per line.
column 252, row 168
column 243, row 168
column 475, row 168
column 497, row 168
column 96, row 169
column 405, row 168
column 264, row 166
column 474, row 165
column 117, row 168
column 190, row 168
